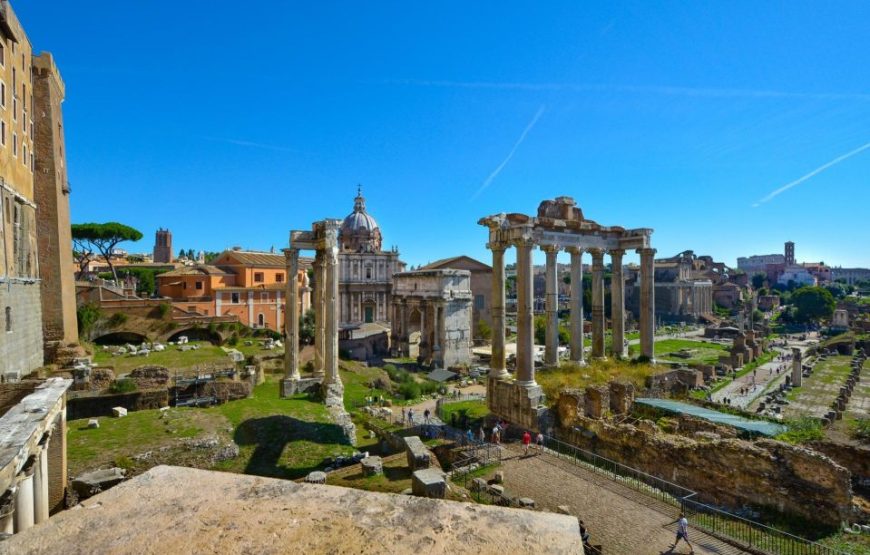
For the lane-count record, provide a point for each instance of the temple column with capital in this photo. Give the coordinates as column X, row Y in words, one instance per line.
column 598, row 324
column 330, row 308
column 551, row 355
column 525, row 374
column 647, row 303
column 319, row 325
column 577, row 305
column 497, row 364
column 617, row 304
column 291, row 316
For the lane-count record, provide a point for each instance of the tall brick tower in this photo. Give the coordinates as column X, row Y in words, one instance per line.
column 51, row 192
column 789, row 253
column 163, row 246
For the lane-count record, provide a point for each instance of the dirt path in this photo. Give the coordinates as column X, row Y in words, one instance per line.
column 623, row 521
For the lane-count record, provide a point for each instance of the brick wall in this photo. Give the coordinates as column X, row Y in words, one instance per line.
column 21, row 349
column 12, row 393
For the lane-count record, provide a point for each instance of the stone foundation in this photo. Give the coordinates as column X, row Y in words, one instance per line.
column 727, row 472
column 21, row 349
column 290, row 387
column 522, row 405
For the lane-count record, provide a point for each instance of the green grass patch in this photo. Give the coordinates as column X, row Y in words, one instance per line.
column 699, row 351
column 572, row 376
column 171, row 358
column 473, row 411
column 802, row 430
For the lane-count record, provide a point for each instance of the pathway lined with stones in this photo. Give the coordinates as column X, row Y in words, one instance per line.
column 622, row 520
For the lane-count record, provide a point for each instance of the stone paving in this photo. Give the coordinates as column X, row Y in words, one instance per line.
column 815, row 396
column 622, row 520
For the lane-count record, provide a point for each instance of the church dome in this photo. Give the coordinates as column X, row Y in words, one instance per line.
column 359, row 231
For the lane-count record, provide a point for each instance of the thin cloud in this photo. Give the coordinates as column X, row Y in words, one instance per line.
column 813, row 173
column 700, row 92
column 486, row 182
column 251, row 144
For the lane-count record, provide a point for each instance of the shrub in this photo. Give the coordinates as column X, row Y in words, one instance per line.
column 862, row 429
column 163, row 309
column 802, row 430
column 212, row 327
column 124, row 385
column 410, row 390
column 233, row 340
column 118, row 319
column 87, row 315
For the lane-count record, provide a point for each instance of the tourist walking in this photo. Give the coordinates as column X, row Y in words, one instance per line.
column 495, row 435
column 527, row 441
column 539, row 441
column 683, row 533
column 411, row 416
column 426, row 416
column 481, row 435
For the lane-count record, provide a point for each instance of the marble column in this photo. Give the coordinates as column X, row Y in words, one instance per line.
column 598, row 324
column 551, row 281
column 525, row 374
column 647, row 303
column 497, row 365
column 291, row 316
column 617, row 304
column 40, row 484
column 406, row 337
column 577, row 305
column 24, row 513
column 330, row 309
column 319, row 327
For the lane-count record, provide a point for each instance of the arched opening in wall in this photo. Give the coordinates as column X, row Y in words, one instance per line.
column 121, row 338
column 261, row 320
column 415, row 322
column 197, row 334
column 369, row 309
column 8, row 312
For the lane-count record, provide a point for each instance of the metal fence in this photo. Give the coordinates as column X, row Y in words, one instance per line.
column 729, row 527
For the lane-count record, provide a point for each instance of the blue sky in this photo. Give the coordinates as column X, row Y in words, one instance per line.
column 232, row 123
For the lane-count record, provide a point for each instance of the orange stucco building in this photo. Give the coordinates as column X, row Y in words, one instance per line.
column 246, row 284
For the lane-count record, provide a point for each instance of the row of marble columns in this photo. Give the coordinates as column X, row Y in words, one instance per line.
column 325, row 304
column 525, row 305
column 29, row 503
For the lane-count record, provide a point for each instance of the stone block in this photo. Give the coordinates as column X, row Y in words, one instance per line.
column 418, row 455
column 499, row 477
column 92, row 483
column 478, row 484
column 372, row 466
column 621, row 397
column 429, row 482
column 316, row 477
column 119, row 412
column 596, row 401
column 93, row 423
column 563, row 510
column 496, row 489
column 526, row 503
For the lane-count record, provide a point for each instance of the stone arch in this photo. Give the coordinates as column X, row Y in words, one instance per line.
column 415, row 327
column 121, row 337
column 197, row 334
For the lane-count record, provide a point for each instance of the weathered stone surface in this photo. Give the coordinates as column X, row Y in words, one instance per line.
column 728, row 472
column 478, row 484
column 372, row 466
column 496, row 489
column 526, row 503
column 316, row 477
column 119, row 412
column 92, row 483
column 429, row 482
column 23, row 349
column 418, row 455
column 93, row 423
column 195, row 509
column 499, row 477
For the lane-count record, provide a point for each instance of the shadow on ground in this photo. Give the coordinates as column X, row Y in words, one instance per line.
column 270, row 436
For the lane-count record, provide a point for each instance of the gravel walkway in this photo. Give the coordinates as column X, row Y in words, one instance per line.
column 622, row 520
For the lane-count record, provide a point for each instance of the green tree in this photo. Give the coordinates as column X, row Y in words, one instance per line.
column 306, row 327
column 484, row 331
column 102, row 238
column 758, row 280
column 812, row 304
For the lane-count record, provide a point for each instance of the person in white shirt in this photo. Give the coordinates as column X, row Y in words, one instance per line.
column 683, row 533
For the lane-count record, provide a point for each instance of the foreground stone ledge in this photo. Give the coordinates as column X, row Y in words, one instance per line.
column 184, row 510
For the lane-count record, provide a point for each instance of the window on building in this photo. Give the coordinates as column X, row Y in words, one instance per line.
column 25, row 159
column 368, row 272
column 184, row 285
column 199, row 286
column 234, row 298
column 14, row 144
column 261, row 320
column 264, row 297
column 2, row 94
column 2, row 55
column 24, row 123
column 279, row 277
column 258, row 277
column 479, row 302
column 8, row 319
column 3, row 133
column 14, row 108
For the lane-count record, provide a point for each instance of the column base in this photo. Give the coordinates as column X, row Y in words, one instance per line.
column 582, row 363
column 500, row 374
column 292, row 386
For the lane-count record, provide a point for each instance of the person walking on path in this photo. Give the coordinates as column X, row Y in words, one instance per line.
column 683, row 533
column 426, row 416
column 527, row 440
column 411, row 416
column 481, row 435
column 539, row 441
column 495, row 435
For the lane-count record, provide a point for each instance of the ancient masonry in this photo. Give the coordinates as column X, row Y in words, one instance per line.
column 437, row 304
column 560, row 225
column 323, row 239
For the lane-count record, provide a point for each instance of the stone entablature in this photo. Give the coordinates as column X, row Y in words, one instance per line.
column 437, row 304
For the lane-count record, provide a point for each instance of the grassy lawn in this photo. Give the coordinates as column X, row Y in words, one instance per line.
column 473, row 410
column 701, row 351
column 817, row 392
column 171, row 358
column 553, row 380
column 282, row 438
column 395, row 479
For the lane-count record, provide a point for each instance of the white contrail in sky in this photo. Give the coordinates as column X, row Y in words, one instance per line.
column 813, row 173
column 486, row 182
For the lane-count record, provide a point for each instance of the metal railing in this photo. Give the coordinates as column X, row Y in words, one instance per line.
column 734, row 529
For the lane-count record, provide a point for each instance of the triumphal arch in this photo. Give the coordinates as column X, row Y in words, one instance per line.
column 560, row 226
